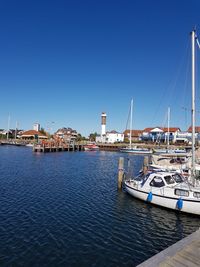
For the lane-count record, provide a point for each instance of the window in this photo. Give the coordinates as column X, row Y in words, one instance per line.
column 169, row 179
column 157, row 182
column 196, row 194
column 178, row 178
column 181, row 192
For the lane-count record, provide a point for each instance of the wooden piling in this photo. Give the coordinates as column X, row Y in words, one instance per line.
column 120, row 172
column 145, row 164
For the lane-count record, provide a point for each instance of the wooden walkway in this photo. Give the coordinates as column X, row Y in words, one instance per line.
column 54, row 148
column 185, row 253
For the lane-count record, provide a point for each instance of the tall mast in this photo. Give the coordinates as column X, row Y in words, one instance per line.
column 131, row 122
column 8, row 129
column 193, row 104
column 168, row 119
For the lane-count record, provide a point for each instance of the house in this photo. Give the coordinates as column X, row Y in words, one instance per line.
column 197, row 133
column 114, row 136
column 160, row 134
column 66, row 134
column 110, row 137
column 32, row 134
column 135, row 135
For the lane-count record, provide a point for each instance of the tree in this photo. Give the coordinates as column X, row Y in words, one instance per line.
column 93, row 136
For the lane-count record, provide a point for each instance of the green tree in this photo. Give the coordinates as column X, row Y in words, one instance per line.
column 93, row 136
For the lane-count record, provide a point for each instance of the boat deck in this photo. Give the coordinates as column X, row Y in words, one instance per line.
column 186, row 252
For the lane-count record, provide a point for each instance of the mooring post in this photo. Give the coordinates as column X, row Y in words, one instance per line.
column 145, row 164
column 120, row 172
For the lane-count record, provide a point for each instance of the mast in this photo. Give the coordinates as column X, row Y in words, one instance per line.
column 193, row 104
column 168, row 119
column 8, row 129
column 131, row 122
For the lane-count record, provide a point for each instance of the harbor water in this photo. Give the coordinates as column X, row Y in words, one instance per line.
column 64, row 209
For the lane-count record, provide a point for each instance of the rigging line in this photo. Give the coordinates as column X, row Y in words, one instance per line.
column 185, row 100
column 168, row 88
column 174, row 94
column 128, row 117
column 197, row 80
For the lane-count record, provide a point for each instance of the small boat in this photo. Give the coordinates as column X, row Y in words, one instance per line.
column 166, row 189
column 91, row 147
column 29, row 145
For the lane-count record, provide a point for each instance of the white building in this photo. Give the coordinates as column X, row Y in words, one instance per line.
column 113, row 137
column 36, row 127
column 108, row 137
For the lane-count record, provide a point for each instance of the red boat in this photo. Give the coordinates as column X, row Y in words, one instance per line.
column 91, row 147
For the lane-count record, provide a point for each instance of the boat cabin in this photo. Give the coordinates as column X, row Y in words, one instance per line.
column 160, row 179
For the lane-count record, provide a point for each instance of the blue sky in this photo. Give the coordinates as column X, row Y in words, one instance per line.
column 67, row 61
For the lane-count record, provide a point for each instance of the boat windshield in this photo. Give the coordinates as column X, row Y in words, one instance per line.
column 178, row 178
column 169, row 179
column 145, row 178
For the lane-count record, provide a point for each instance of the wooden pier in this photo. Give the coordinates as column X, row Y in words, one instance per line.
column 185, row 253
column 49, row 147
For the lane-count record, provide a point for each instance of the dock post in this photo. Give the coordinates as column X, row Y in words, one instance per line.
column 120, row 172
column 145, row 164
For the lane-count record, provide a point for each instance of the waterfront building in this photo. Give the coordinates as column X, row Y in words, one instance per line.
column 160, row 134
column 32, row 134
column 135, row 135
column 66, row 134
column 110, row 137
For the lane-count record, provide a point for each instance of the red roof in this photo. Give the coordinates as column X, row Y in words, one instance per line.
column 165, row 129
column 147, row 130
column 197, row 129
column 33, row 133
column 171, row 129
column 133, row 132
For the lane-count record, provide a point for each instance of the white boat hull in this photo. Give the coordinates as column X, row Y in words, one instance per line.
column 135, row 151
column 159, row 198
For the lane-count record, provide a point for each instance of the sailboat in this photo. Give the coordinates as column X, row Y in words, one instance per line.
column 130, row 148
column 170, row 189
column 168, row 150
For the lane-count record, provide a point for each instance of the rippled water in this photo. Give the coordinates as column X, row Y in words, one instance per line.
column 63, row 209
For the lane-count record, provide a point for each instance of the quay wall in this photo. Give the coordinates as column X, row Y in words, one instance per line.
column 183, row 253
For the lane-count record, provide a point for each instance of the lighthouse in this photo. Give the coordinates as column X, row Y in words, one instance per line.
column 103, row 124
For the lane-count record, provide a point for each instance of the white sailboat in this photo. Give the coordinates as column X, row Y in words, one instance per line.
column 168, row 150
column 130, row 148
column 169, row 189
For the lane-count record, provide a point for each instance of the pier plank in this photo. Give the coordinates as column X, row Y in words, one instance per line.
column 185, row 253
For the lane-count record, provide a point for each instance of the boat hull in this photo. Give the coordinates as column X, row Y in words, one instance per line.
column 159, row 198
column 135, row 151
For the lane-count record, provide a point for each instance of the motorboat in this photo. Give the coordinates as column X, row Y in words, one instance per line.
column 166, row 189
column 91, row 147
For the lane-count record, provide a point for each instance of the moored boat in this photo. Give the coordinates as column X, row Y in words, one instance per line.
column 136, row 150
column 165, row 189
column 91, row 147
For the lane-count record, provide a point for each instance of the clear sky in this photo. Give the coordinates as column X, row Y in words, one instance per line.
column 67, row 61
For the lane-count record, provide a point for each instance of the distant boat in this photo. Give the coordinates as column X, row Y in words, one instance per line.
column 29, row 145
column 91, row 147
column 136, row 150
column 159, row 151
column 130, row 149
